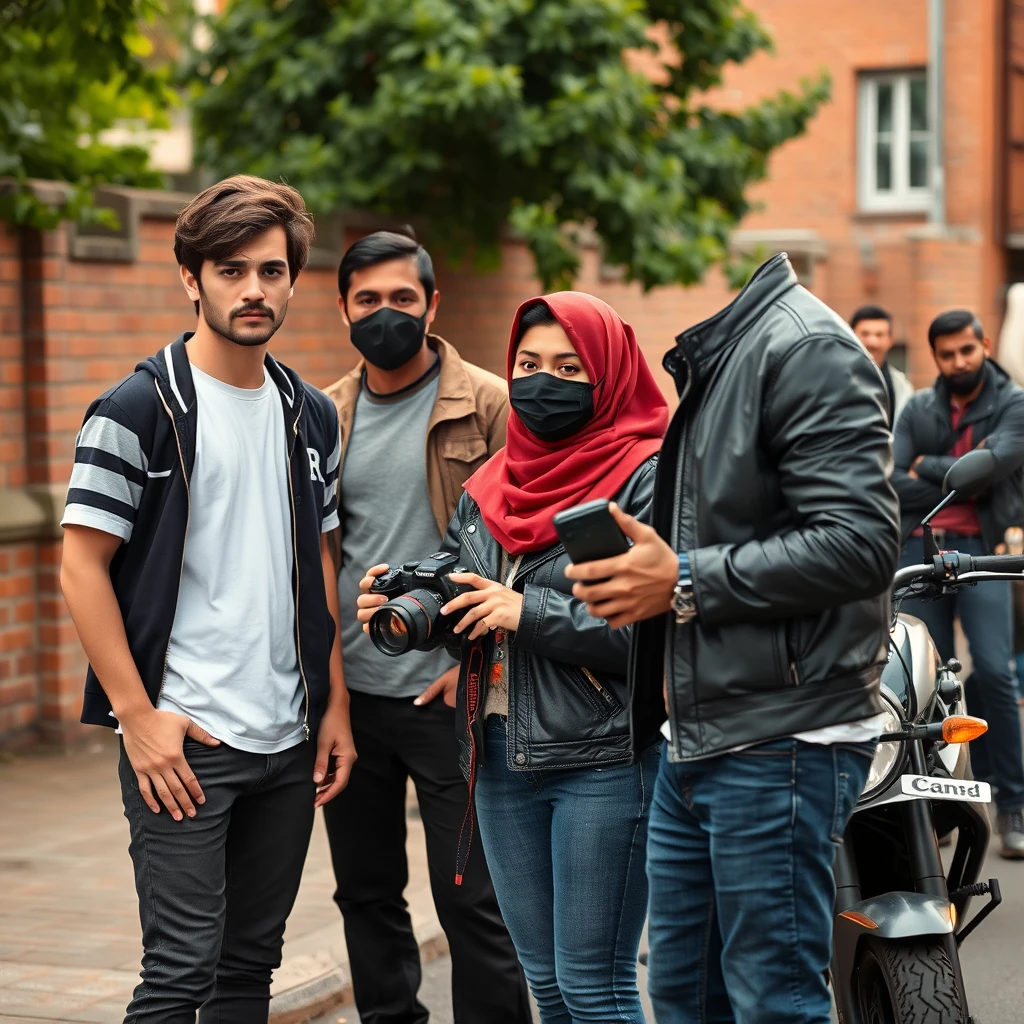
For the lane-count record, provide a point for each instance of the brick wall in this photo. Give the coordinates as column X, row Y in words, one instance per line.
column 18, row 608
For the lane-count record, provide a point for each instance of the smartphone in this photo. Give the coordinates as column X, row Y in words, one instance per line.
column 589, row 533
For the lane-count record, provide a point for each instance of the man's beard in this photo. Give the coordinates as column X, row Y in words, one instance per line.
column 965, row 383
column 226, row 327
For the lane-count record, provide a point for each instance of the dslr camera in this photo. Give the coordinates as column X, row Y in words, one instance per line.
column 416, row 593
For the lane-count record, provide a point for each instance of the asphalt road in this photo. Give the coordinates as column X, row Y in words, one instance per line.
column 993, row 962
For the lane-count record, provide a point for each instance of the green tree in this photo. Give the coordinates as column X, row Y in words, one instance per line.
column 69, row 69
column 473, row 114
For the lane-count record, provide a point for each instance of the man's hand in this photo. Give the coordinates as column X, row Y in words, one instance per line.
column 153, row 742
column 445, row 684
column 912, row 472
column 491, row 605
column 638, row 585
column 334, row 741
column 367, row 603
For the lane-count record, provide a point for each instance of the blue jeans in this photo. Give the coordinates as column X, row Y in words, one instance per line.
column 566, row 851
column 740, row 866
column 986, row 614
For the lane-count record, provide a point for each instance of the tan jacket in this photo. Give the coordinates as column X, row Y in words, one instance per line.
column 465, row 429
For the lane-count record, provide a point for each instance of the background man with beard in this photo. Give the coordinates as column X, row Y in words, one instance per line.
column 203, row 487
column 416, row 423
column 973, row 404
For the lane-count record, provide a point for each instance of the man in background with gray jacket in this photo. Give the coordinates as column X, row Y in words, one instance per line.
column 873, row 325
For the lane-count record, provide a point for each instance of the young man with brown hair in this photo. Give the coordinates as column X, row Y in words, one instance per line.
column 416, row 422
column 197, row 573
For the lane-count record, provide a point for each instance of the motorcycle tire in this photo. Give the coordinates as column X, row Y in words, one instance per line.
column 907, row 983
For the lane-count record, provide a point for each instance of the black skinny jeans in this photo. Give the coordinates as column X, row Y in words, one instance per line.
column 215, row 890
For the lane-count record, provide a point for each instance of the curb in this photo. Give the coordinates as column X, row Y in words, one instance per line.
column 322, row 982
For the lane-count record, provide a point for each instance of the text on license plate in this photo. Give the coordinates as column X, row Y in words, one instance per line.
column 929, row 788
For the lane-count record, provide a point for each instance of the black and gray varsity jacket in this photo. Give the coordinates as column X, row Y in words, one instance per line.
column 133, row 463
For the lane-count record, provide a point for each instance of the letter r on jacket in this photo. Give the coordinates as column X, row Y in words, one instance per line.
column 314, row 465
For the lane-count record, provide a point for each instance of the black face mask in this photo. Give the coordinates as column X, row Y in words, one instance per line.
column 965, row 383
column 552, row 408
column 388, row 338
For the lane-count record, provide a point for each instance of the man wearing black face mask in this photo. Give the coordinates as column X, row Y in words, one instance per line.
column 416, row 422
column 973, row 404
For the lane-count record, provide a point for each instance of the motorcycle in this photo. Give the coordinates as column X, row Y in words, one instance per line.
column 900, row 916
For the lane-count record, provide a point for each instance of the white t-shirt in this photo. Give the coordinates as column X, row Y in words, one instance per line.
column 232, row 665
column 863, row 731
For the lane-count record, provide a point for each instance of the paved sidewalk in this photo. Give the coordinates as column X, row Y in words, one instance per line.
column 69, row 932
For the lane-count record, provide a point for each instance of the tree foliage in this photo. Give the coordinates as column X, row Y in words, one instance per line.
column 69, row 69
column 473, row 114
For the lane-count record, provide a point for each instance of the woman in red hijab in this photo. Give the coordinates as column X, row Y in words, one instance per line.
column 542, row 699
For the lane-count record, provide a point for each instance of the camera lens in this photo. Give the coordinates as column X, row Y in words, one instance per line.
column 395, row 625
column 405, row 623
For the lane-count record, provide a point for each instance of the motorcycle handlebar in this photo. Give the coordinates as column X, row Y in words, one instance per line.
column 997, row 563
column 952, row 564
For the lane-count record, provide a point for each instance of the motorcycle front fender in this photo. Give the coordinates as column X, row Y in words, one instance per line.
column 891, row 915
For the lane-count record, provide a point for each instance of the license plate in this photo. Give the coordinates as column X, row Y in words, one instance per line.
column 928, row 788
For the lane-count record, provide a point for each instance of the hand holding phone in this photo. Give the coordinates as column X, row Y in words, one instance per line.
column 589, row 533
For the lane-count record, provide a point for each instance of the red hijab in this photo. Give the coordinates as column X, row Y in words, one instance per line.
column 521, row 488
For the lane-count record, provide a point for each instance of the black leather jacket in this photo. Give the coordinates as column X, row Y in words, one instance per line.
column 925, row 428
column 775, row 478
column 566, row 673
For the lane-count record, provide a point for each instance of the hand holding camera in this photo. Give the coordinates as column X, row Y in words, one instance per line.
column 402, row 608
column 415, row 607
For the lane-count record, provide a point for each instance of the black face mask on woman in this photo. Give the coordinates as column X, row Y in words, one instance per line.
column 388, row 338
column 551, row 407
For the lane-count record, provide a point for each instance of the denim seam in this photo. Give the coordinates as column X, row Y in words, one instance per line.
column 144, row 844
column 267, row 772
column 794, row 970
column 842, row 779
column 625, row 887
column 705, row 949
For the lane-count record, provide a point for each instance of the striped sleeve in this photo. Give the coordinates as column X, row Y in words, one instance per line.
column 332, row 480
column 109, row 473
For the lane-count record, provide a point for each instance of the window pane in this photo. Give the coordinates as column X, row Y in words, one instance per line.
column 883, row 166
column 918, row 105
column 883, row 122
column 918, row 163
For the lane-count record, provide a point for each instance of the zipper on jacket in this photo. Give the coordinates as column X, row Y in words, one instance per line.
column 673, row 627
column 614, row 705
column 188, row 519
column 295, row 560
column 791, row 653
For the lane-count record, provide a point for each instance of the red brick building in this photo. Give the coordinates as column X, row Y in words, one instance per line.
column 851, row 202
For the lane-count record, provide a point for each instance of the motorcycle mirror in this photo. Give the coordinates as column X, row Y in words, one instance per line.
column 970, row 474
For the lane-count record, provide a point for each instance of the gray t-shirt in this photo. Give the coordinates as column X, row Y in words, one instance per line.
column 386, row 517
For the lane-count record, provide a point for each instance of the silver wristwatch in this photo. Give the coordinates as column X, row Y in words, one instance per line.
column 683, row 604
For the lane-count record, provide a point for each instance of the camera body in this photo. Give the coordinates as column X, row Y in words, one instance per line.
column 416, row 592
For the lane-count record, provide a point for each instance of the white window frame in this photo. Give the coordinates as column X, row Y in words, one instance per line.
column 901, row 198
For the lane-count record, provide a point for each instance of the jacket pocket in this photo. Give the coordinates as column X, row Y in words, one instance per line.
column 461, row 457
column 466, row 449
column 792, row 652
column 603, row 701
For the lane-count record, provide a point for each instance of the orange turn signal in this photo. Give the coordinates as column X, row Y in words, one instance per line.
column 858, row 918
column 963, row 728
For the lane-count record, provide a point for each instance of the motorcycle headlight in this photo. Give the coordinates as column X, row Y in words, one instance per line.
column 890, row 755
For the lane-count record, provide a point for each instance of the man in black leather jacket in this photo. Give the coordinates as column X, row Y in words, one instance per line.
column 973, row 403
column 762, row 593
